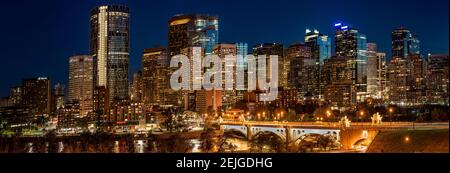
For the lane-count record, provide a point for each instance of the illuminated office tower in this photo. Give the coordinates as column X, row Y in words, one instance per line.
column 437, row 76
column 193, row 30
column 301, row 69
column 268, row 49
column 399, row 80
column 37, row 96
column 229, row 95
column 109, row 44
column 242, row 50
column 195, row 56
column 404, row 43
column 155, row 78
column 339, row 90
column 319, row 43
column 81, row 82
column 376, row 71
column 352, row 44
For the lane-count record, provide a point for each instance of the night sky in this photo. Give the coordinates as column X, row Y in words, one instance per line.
column 38, row 37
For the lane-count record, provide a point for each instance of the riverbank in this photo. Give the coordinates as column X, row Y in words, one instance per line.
column 411, row 141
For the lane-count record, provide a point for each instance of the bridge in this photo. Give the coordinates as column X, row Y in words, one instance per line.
column 348, row 136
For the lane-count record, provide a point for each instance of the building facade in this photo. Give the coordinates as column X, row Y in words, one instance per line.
column 110, row 46
column 192, row 30
column 81, row 82
column 351, row 43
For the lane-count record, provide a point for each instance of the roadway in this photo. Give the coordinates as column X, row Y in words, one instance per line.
column 353, row 125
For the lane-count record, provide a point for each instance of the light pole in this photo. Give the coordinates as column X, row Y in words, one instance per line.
column 391, row 110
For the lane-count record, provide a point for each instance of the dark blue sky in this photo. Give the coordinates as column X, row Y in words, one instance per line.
column 37, row 37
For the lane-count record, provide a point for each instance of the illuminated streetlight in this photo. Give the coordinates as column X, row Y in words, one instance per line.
column 407, row 139
column 328, row 113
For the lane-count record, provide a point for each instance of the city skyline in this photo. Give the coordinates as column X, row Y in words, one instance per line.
column 56, row 69
column 280, row 83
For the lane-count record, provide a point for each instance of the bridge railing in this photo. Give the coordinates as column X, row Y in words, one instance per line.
column 383, row 125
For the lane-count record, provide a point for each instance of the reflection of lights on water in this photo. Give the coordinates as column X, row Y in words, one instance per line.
column 116, row 147
column 196, row 145
column 140, row 146
column 60, row 147
column 240, row 144
column 30, row 147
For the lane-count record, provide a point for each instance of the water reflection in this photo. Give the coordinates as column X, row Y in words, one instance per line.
column 115, row 146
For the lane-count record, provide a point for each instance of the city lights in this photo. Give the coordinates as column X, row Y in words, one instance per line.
column 329, row 91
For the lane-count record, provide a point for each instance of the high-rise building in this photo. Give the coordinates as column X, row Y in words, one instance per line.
column 136, row 87
column 399, row 80
column 242, row 51
column 404, row 43
column 188, row 97
column 81, row 82
column 319, row 43
column 193, row 30
column 339, row 90
column 351, row 43
column 155, row 78
column 109, row 44
column 417, row 67
column 437, row 78
column 376, row 71
column 37, row 96
column 301, row 69
column 268, row 49
column 58, row 97
column 229, row 95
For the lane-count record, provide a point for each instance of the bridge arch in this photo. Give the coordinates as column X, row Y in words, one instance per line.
column 278, row 131
column 236, row 128
column 235, row 132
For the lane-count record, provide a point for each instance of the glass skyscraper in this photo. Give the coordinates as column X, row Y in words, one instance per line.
column 352, row 44
column 109, row 44
column 320, row 45
column 404, row 43
column 193, row 30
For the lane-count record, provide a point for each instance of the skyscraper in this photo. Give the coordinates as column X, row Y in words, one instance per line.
column 399, row 80
column 319, row 43
column 155, row 77
column 229, row 95
column 376, row 72
column 404, row 43
column 109, row 44
column 193, row 30
column 301, row 69
column 339, row 90
column 81, row 82
column 437, row 77
column 352, row 44
column 266, row 50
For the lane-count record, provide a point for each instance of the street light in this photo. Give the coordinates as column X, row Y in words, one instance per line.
column 391, row 110
column 328, row 113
